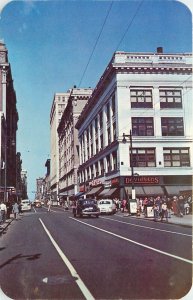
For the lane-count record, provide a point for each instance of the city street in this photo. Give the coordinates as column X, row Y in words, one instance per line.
column 56, row 256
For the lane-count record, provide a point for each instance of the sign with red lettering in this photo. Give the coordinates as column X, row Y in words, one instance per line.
column 142, row 180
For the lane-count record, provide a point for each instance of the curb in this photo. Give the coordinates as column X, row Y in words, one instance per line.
column 5, row 225
column 170, row 223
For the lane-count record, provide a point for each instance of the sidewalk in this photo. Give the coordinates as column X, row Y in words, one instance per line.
column 4, row 226
column 186, row 220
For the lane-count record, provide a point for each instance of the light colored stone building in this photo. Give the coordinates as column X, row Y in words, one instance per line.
column 149, row 95
column 59, row 103
column 68, row 142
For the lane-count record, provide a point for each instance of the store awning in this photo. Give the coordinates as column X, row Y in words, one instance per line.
column 174, row 190
column 79, row 194
column 153, row 190
column 103, row 193
column 63, row 194
column 94, row 191
column 138, row 190
column 110, row 192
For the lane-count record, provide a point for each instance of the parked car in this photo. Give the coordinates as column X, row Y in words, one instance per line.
column 107, row 206
column 86, row 207
column 25, row 205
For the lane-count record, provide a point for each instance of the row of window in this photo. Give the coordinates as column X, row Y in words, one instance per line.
column 140, row 157
column 143, row 98
column 170, row 126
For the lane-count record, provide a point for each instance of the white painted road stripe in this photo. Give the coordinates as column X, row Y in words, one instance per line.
column 73, row 272
column 134, row 242
column 128, row 223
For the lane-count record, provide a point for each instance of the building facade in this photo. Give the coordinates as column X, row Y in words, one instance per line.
column 147, row 97
column 68, row 142
column 8, row 126
column 59, row 103
column 24, row 194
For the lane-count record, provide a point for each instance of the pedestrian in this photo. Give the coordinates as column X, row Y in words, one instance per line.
column 181, row 206
column 3, row 209
column 169, row 206
column 164, row 212
column 124, row 203
column 15, row 210
column 9, row 209
column 175, row 206
column 49, row 205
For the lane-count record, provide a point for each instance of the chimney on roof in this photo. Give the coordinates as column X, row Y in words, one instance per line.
column 159, row 50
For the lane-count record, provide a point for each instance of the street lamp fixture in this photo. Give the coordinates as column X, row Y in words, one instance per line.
column 124, row 140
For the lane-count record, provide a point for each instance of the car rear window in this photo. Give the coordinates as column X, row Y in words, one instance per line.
column 105, row 202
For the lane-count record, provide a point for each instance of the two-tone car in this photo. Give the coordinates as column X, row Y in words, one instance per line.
column 86, row 207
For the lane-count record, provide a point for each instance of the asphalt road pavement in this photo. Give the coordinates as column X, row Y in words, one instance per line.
column 56, row 256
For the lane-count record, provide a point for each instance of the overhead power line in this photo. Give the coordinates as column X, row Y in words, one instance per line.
column 108, row 12
column 129, row 25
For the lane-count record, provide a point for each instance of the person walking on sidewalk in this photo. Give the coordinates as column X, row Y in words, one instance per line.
column 15, row 210
column 49, row 205
column 164, row 211
column 3, row 210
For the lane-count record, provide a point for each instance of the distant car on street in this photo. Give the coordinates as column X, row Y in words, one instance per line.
column 37, row 203
column 25, row 205
column 107, row 206
column 86, row 207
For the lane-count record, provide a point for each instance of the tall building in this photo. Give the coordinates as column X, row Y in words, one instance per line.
column 8, row 125
column 58, row 105
column 24, row 194
column 147, row 97
column 68, row 142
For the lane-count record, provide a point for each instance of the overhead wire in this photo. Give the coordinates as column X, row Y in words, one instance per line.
column 96, row 42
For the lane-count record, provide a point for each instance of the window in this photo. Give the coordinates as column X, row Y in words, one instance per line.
column 97, row 146
column 109, row 135
column 143, row 157
column 170, row 98
column 176, row 157
column 114, row 131
column 172, row 126
column 102, row 167
column 108, row 163
column 141, row 98
column 101, row 140
column 142, row 126
column 114, row 160
column 101, row 119
column 113, row 104
column 108, row 112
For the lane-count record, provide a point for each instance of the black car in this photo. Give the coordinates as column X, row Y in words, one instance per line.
column 86, row 207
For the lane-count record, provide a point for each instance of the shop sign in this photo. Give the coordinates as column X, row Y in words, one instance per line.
column 142, row 179
column 95, row 182
column 82, row 188
column 115, row 181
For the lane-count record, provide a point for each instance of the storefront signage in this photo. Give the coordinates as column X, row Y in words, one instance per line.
column 115, row 181
column 95, row 182
column 142, row 180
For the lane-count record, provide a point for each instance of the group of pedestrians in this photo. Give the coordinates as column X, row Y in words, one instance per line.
column 6, row 209
column 163, row 207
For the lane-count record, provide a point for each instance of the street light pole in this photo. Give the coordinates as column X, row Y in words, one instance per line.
column 133, row 194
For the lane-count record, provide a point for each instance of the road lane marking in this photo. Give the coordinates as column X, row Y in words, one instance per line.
column 134, row 242
column 136, row 225
column 73, row 272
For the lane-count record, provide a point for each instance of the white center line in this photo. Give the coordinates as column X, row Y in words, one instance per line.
column 157, row 229
column 73, row 272
column 136, row 243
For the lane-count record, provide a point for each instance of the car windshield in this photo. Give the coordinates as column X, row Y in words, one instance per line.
column 87, row 202
column 105, row 202
column 25, row 202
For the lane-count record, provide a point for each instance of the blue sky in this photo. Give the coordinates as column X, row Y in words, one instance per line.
column 49, row 44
